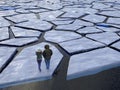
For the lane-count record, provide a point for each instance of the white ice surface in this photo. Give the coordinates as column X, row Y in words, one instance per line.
column 108, row 29
column 19, row 41
column 117, row 45
column 5, row 55
column 24, row 67
column 105, row 38
column 92, row 62
column 20, row 32
column 36, row 24
column 80, row 45
column 74, row 26
column 87, row 30
column 114, row 13
column 4, row 34
column 94, row 18
column 21, row 17
column 114, row 20
column 60, row 36
column 4, row 22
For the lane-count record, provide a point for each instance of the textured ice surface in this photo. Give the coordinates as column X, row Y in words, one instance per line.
column 105, row 38
column 117, row 45
column 114, row 21
column 109, row 29
column 19, row 41
column 80, row 45
column 94, row 18
column 60, row 36
column 88, row 30
column 5, row 55
column 92, row 62
column 20, row 32
column 4, row 34
column 21, row 17
column 36, row 24
column 4, row 22
column 51, row 15
column 111, row 13
column 62, row 22
column 74, row 26
column 24, row 67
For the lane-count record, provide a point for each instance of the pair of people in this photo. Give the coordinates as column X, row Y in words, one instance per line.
column 47, row 53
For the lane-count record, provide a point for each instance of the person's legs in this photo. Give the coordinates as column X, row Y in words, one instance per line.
column 39, row 65
column 47, row 63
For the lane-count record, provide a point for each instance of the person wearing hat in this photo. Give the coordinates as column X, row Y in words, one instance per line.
column 39, row 58
column 47, row 53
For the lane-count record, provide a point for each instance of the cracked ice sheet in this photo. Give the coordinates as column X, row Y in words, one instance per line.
column 7, row 13
column 106, row 38
column 20, row 32
column 62, row 21
column 114, row 13
column 21, row 17
column 100, row 6
column 18, row 41
column 4, row 34
column 60, row 36
column 114, row 20
column 51, row 15
column 80, row 10
column 36, row 24
column 93, row 62
column 94, row 18
column 74, row 26
column 4, row 23
column 108, row 29
column 23, row 65
column 80, row 45
column 117, row 45
column 5, row 55
column 89, row 30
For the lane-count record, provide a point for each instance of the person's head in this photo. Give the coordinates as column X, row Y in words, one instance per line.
column 39, row 50
column 46, row 46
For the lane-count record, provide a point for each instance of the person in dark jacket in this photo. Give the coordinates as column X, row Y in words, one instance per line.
column 47, row 53
column 39, row 58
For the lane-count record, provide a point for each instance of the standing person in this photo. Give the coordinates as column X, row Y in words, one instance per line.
column 39, row 58
column 47, row 53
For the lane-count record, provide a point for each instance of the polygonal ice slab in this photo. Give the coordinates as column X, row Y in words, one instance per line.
column 92, row 62
column 94, row 18
column 79, row 10
column 114, row 20
column 74, row 26
column 117, row 45
column 36, row 24
column 21, row 17
column 108, row 29
column 100, row 6
column 4, row 22
column 51, row 15
column 111, row 13
column 24, row 67
column 80, row 45
column 62, row 22
column 89, row 30
column 72, row 14
column 4, row 34
column 20, row 32
column 106, row 38
column 60, row 36
column 19, row 41
column 5, row 54
column 7, row 12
